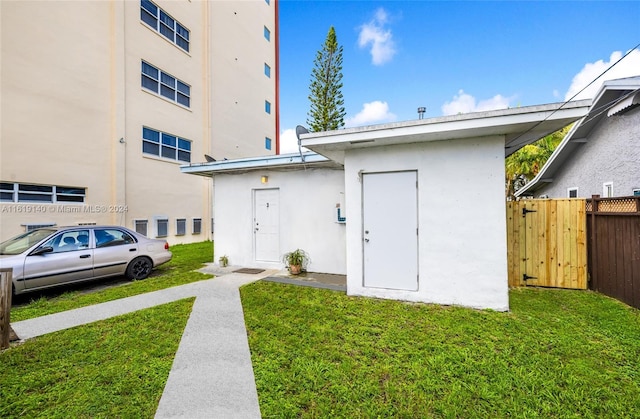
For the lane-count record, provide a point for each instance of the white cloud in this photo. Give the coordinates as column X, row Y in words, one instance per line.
column 371, row 113
column 629, row 66
column 378, row 38
column 465, row 103
column 289, row 141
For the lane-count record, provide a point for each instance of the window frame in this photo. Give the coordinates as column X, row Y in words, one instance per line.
column 181, row 226
column 165, row 221
column 181, row 147
column 267, row 143
column 165, row 25
column 146, row 226
column 198, row 222
column 267, row 70
column 607, row 190
column 51, row 194
column 267, row 34
column 572, row 189
column 267, row 107
column 166, row 86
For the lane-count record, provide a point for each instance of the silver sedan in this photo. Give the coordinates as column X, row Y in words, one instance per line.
column 48, row 257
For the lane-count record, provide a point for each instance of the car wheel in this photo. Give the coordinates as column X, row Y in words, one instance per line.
column 139, row 268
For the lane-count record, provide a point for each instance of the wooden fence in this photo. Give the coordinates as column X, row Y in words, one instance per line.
column 613, row 228
column 5, row 307
column 546, row 243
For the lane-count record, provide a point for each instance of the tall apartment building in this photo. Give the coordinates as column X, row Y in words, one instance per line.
column 102, row 101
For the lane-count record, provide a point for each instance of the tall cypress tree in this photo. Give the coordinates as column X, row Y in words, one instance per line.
column 327, row 105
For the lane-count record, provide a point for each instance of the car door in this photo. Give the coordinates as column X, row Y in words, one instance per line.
column 66, row 257
column 114, row 249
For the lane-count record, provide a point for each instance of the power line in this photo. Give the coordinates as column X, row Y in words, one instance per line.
column 581, row 90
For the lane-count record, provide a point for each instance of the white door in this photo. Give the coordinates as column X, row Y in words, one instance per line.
column 266, row 224
column 390, row 230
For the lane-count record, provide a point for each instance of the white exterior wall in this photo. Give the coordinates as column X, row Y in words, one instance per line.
column 307, row 205
column 461, row 215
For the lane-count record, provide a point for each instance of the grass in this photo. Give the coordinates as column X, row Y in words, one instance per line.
column 558, row 353
column 115, row 368
column 178, row 271
column 319, row 353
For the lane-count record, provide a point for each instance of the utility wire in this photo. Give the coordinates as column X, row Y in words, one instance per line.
column 581, row 90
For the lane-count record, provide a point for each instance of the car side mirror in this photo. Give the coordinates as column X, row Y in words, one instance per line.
column 42, row 250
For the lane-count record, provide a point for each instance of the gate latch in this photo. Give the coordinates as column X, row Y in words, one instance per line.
column 525, row 211
column 526, row 277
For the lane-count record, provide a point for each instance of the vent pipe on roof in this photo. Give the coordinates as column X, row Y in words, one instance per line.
column 421, row 111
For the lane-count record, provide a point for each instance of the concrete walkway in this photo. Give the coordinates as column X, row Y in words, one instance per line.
column 211, row 375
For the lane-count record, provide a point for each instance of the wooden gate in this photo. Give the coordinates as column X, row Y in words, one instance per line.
column 546, row 243
column 614, row 247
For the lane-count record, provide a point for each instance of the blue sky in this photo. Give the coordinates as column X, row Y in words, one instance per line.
column 452, row 57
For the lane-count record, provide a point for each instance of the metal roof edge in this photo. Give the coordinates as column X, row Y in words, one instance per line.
column 550, row 107
column 250, row 163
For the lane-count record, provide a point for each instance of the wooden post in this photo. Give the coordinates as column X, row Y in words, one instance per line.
column 5, row 306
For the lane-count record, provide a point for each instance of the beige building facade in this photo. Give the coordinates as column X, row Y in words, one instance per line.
column 102, row 101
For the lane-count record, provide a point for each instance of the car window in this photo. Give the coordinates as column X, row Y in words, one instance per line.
column 106, row 237
column 68, row 241
column 24, row 241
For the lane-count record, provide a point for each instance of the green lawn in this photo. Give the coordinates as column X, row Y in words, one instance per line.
column 115, row 368
column 558, row 353
column 178, row 271
column 319, row 353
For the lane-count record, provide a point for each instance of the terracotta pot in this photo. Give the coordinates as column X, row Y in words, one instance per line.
column 295, row 269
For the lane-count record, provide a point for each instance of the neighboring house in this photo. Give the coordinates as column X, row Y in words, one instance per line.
column 422, row 204
column 104, row 100
column 601, row 153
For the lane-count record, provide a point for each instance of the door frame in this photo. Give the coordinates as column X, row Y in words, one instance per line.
column 254, row 192
column 417, row 224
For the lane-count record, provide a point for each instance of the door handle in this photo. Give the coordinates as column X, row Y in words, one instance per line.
column 84, row 256
column 132, row 250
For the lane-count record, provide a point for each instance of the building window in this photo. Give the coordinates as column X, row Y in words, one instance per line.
column 267, row 34
column 140, row 226
column 267, row 70
column 23, row 192
column 181, row 226
column 165, row 85
column 267, row 143
column 161, row 22
column 6, row 192
column 165, row 145
column 267, row 106
column 31, row 227
column 607, row 190
column 197, row 226
column 636, row 192
column 162, row 227
column 572, row 192
column 268, row 1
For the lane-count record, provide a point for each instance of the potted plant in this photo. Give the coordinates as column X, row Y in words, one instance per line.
column 224, row 261
column 296, row 261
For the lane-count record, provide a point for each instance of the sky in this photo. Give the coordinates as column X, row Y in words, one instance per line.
column 452, row 56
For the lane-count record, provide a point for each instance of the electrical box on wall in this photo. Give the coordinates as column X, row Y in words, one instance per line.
column 341, row 216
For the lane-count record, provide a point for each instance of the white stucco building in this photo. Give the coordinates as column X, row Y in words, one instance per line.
column 422, row 204
column 102, row 101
